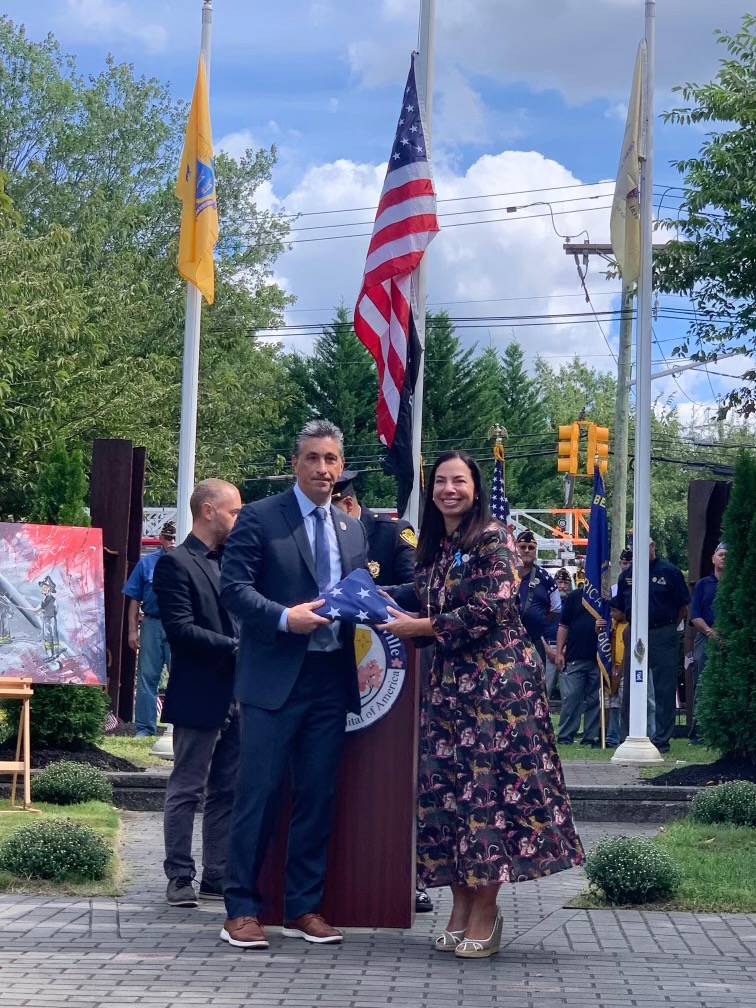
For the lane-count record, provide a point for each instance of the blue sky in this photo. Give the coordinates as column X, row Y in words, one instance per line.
column 528, row 96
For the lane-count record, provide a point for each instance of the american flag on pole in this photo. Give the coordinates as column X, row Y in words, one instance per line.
column 499, row 502
column 405, row 224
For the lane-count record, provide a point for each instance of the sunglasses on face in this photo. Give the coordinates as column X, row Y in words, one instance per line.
column 529, row 548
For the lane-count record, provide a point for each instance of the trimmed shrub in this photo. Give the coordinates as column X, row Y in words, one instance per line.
column 632, row 870
column 64, row 717
column 55, row 849
column 733, row 802
column 69, row 783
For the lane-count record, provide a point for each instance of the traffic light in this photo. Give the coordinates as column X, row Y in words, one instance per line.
column 569, row 440
column 598, row 449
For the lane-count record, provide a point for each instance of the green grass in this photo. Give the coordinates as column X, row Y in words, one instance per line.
column 99, row 816
column 679, row 750
column 718, row 869
column 137, row 750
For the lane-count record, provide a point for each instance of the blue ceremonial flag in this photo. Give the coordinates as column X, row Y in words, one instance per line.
column 355, row 599
column 597, row 574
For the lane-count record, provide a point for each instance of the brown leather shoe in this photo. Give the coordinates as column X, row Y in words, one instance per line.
column 312, row 928
column 244, row 932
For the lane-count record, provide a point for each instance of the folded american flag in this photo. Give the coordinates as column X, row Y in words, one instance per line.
column 355, row 599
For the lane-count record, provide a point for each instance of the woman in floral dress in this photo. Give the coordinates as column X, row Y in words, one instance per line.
column 493, row 807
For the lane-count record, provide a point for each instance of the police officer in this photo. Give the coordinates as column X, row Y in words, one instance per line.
column 538, row 594
column 391, row 541
column 391, row 561
column 668, row 600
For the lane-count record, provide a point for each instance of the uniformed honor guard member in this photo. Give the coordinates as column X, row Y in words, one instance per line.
column 538, row 593
column 391, row 561
column 391, row 541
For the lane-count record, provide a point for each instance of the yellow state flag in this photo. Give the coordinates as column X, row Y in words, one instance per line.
column 625, row 219
column 196, row 190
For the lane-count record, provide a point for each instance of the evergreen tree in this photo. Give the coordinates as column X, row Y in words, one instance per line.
column 530, row 479
column 338, row 381
column 62, row 488
column 726, row 702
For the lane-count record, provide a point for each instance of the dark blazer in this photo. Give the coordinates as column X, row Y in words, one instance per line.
column 268, row 566
column 202, row 636
column 391, row 548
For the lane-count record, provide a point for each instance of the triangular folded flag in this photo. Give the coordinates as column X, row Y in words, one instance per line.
column 355, row 599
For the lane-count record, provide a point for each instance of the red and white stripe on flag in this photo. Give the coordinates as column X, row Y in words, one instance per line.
column 405, row 224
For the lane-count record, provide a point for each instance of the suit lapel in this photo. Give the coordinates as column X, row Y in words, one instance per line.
column 209, row 569
column 293, row 515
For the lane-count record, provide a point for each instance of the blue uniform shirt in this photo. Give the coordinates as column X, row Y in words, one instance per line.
column 702, row 606
column 139, row 585
column 544, row 600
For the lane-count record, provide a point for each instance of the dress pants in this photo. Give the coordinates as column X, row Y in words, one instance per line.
column 579, row 687
column 304, row 738
column 205, row 762
column 663, row 662
column 700, row 649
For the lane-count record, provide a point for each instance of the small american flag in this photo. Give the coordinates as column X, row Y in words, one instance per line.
column 405, row 224
column 356, row 599
column 499, row 503
column 111, row 722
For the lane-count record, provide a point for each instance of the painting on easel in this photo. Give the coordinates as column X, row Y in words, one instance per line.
column 52, row 618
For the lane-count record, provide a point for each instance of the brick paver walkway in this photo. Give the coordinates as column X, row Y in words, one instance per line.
column 138, row 951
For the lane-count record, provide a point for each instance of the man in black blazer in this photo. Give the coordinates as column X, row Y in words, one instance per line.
column 199, row 698
column 296, row 680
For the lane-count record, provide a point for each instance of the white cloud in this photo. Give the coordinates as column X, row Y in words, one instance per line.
column 514, row 266
column 112, row 18
column 235, row 144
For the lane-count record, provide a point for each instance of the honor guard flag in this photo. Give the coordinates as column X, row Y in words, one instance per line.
column 405, row 224
column 196, row 190
column 624, row 223
column 597, row 588
column 356, row 599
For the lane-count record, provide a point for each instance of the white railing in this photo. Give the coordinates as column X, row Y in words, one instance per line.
column 153, row 520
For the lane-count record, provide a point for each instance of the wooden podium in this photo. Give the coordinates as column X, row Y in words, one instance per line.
column 370, row 881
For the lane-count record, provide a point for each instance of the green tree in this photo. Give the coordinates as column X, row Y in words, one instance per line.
column 726, row 704
column 91, row 305
column 338, row 381
column 714, row 259
column 62, row 488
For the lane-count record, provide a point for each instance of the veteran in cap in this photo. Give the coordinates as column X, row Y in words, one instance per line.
column 391, row 541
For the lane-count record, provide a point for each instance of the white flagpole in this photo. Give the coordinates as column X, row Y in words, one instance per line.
column 637, row 748
column 424, row 80
column 190, row 373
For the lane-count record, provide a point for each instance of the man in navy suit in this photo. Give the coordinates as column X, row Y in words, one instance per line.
column 199, row 697
column 296, row 680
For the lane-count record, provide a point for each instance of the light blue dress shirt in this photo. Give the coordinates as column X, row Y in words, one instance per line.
column 325, row 638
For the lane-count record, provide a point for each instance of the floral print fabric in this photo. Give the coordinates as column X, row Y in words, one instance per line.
column 492, row 801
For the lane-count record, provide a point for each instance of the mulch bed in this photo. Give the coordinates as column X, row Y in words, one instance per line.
column 93, row 757
column 727, row 768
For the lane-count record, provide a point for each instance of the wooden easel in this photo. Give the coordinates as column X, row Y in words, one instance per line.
column 19, row 689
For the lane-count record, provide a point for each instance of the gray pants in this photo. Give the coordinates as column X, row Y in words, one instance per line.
column 700, row 648
column 205, row 764
column 579, row 685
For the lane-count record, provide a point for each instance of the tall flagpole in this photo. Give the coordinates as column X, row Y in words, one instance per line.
column 190, row 373
column 637, row 747
column 425, row 95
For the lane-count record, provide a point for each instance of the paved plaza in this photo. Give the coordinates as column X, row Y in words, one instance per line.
column 138, row 951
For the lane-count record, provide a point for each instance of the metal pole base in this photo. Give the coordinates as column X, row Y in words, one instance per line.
column 164, row 744
column 637, row 752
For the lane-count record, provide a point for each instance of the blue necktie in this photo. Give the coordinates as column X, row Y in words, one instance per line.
column 322, row 558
